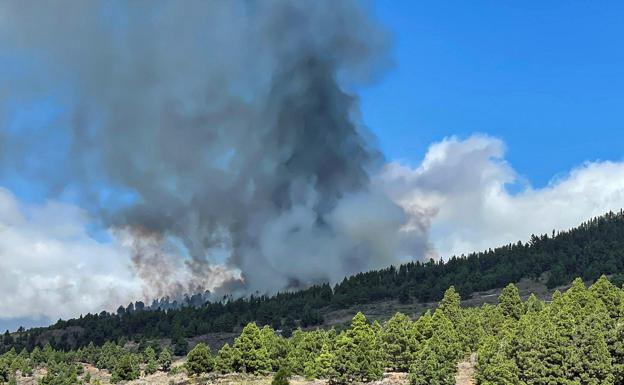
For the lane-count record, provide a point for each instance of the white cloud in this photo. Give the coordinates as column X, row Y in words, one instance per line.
column 50, row 267
column 462, row 185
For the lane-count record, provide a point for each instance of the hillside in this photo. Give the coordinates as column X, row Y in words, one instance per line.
column 595, row 247
column 573, row 338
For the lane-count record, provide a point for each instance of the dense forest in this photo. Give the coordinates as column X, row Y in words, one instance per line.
column 576, row 338
column 595, row 247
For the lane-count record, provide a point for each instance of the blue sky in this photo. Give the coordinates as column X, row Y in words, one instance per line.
column 547, row 77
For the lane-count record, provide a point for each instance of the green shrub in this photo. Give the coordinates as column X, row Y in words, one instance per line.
column 126, row 368
column 199, row 360
column 164, row 360
column 281, row 377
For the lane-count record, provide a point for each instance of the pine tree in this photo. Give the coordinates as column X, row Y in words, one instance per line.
column 164, row 360
column 275, row 346
column 36, row 356
column 89, row 353
column 226, row 359
column 423, row 327
column 585, row 325
column 309, row 370
column 470, row 329
column 578, row 295
column 323, row 362
column 344, row 367
column 358, row 356
column 320, row 366
column 5, row 369
column 369, row 353
column 533, row 304
column 26, row 369
column 108, row 356
column 151, row 365
column 436, row 362
column 299, row 352
column 595, row 366
column 398, row 342
column 510, row 302
column 126, row 368
column 281, row 377
column 377, row 329
column 48, row 353
column 493, row 366
column 304, row 348
column 450, row 305
column 430, row 368
column 609, row 295
column 180, row 345
column 199, row 360
column 616, row 350
column 539, row 350
column 251, row 354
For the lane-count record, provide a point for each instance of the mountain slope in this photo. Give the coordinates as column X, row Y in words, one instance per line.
column 593, row 248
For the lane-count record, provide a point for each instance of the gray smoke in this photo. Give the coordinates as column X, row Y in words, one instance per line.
column 220, row 136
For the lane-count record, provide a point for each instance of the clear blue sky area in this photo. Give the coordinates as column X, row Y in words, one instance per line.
column 547, row 77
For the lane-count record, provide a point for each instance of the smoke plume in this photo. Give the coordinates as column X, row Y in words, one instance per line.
column 220, row 140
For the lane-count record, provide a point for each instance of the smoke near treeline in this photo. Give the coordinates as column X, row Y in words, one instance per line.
column 219, row 140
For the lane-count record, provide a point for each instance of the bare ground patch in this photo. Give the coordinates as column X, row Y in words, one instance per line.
column 465, row 371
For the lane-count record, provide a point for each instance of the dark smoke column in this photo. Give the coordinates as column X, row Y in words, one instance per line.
column 229, row 126
column 310, row 129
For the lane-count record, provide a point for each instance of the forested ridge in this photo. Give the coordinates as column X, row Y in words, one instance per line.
column 595, row 247
column 576, row 338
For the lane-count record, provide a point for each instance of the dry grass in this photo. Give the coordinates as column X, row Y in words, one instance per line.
column 161, row 378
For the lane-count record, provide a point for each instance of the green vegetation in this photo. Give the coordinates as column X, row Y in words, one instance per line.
column 126, row 368
column 151, row 364
column 199, row 360
column 576, row 338
column 252, row 354
column 281, row 377
column 226, row 359
column 165, row 360
column 358, row 355
column 398, row 342
column 571, row 340
column 60, row 373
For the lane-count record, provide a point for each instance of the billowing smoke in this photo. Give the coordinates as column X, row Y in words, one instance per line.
column 219, row 139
